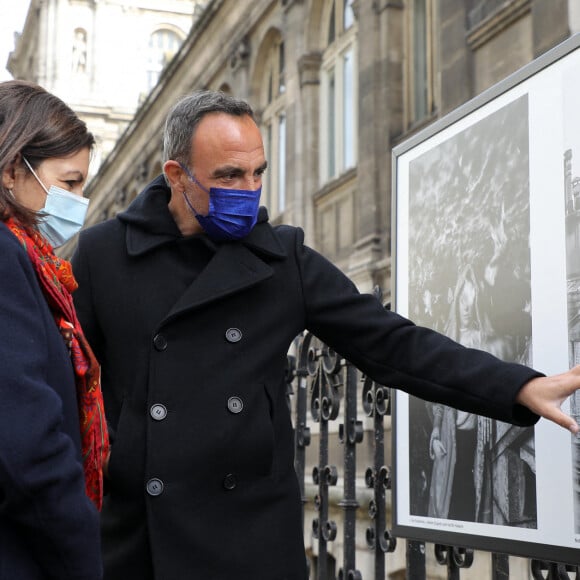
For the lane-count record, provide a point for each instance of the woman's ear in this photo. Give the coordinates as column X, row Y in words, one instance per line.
column 9, row 175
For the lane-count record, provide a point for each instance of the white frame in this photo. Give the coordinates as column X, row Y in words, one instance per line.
column 542, row 84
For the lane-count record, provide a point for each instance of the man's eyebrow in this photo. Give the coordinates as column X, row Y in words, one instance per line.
column 232, row 170
column 228, row 170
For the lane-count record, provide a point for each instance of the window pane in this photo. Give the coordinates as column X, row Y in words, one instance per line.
column 348, row 15
column 332, row 25
column 281, row 69
column 348, row 112
column 163, row 45
column 281, row 163
column 331, row 120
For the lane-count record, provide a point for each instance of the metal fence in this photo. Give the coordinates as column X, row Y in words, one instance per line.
column 327, row 394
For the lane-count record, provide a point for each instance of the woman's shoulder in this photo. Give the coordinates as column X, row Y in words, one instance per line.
column 10, row 247
column 16, row 271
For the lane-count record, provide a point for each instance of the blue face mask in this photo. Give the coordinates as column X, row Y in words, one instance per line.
column 63, row 213
column 232, row 212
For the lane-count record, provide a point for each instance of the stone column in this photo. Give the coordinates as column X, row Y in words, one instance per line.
column 380, row 57
column 298, row 209
column 308, row 156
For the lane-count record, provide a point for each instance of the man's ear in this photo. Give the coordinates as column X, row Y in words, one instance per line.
column 174, row 174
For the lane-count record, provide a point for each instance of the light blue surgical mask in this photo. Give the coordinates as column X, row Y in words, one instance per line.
column 232, row 212
column 63, row 213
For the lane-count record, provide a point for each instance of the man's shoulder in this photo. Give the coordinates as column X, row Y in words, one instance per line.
column 288, row 233
column 105, row 233
column 103, row 229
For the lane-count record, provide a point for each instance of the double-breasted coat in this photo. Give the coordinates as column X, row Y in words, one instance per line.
column 193, row 338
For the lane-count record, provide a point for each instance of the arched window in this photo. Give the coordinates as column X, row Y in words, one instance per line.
column 273, row 126
column 338, row 119
column 163, row 44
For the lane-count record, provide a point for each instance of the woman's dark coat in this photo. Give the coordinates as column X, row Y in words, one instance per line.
column 193, row 341
column 49, row 529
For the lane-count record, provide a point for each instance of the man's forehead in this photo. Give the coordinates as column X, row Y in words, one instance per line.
column 226, row 140
column 224, row 122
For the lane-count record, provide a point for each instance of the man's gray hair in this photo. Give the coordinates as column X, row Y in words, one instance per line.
column 186, row 115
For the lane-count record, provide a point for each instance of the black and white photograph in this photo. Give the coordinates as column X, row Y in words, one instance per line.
column 486, row 218
column 571, row 157
column 468, row 467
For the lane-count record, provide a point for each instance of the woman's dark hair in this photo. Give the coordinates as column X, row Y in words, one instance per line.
column 37, row 125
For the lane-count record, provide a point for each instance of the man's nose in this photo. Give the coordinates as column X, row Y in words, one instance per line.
column 253, row 182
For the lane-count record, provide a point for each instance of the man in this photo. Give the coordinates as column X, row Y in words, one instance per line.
column 191, row 300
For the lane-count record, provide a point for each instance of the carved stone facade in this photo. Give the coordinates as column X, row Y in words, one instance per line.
column 347, row 215
column 102, row 57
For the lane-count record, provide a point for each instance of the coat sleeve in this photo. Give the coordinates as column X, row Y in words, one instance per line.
column 42, row 492
column 395, row 352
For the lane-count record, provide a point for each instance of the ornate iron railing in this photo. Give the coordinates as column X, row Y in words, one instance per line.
column 328, row 395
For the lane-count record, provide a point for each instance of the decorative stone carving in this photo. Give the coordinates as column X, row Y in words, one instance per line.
column 380, row 5
column 309, row 68
column 241, row 54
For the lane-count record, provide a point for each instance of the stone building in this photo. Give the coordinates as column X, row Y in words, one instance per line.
column 101, row 57
column 336, row 84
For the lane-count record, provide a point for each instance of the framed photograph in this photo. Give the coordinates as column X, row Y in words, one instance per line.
column 487, row 251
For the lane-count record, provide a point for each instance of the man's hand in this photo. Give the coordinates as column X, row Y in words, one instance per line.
column 545, row 395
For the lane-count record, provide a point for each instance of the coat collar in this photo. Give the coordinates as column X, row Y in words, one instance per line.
column 151, row 225
column 235, row 265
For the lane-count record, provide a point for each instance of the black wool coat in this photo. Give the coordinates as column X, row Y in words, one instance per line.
column 193, row 339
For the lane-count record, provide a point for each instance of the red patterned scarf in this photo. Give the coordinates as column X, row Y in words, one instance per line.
column 57, row 282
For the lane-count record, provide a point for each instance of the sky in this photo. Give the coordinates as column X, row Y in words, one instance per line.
column 12, row 15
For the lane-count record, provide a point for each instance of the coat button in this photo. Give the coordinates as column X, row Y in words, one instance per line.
column 235, row 405
column 230, row 481
column 158, row 412
column 154, row 487
column 233, row 335
column 160, row 342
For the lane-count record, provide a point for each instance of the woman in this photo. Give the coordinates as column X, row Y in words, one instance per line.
column 458, row 440
column 52, row 435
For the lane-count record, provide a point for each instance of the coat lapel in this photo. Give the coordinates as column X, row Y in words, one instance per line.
column 233, row 268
